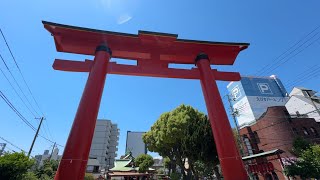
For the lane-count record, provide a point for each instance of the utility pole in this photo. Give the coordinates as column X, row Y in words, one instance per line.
column 235, row 123
column 35, row 136
column 54, row 145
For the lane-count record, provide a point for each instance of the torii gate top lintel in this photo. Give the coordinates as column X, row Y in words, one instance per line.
column 164, row 47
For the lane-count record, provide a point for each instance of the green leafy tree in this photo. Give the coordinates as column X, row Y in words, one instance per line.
column 144, row 161
column 47, row 170
column 183, row 134
column 14, row 165
column 308, row 165
column 88, row 176
column 30, row 176
column 299, row 145
column 175, row 176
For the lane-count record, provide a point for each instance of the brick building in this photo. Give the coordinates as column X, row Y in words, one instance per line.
column 276, row 129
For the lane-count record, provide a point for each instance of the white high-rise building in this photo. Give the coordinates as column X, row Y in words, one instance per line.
column 104, row 146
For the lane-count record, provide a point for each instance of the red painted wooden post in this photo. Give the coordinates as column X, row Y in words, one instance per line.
column 230, row 160
column 74, row 160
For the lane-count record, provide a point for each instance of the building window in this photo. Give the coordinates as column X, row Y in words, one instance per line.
column 295, row 131
column 305, row 131
column 247, row 144
column 256, row 137
column 95, row 169
column 314, row 131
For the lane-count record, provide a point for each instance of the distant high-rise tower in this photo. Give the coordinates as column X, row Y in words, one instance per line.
column 104, row 145
column 135, row 143
column 251, row 96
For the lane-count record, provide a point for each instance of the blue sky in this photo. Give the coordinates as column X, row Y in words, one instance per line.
column 134, row 103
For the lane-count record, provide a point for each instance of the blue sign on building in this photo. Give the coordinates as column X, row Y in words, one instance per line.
column 251, row 96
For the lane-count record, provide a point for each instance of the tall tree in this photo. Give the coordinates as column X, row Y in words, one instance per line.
column 48, row 169
column 299, row 145
column 144, row 161
column 183, row 134
column 14, row 165
column 308, row 165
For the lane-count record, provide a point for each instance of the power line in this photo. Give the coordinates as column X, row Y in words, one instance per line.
column 50, row 140
column 6, row 100
column 16, row 92
column 10, row 149
column 291, row 47
column 295, row 54
column 12, row 144
column 48, row 130
column 16, row 82
column 20, row 72
column 303, row 74
column 305, row 78
column 269, row 67
column 24, row 80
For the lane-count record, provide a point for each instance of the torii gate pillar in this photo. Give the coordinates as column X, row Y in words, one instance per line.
column 75, row 157
column 230, row 160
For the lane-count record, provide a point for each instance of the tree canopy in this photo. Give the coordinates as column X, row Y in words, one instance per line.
column 14, row 165
column 184, row 134
column 144, row 161
column 308, row 164
column 47, row 170
column 299, row 145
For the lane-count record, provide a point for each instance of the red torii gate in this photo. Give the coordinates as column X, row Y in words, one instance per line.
column 153, row 52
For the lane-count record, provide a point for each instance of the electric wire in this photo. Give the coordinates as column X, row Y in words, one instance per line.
column 12, row 144
column 271, row 63
column 4, row 62
column 6, row 100
column 10, row 149
column 295, row 54
column 16, row 82
column 21, row 72
column 274, row 65
column 14, row 89
column 25, row 82
column 302, row 75
column 305, row 78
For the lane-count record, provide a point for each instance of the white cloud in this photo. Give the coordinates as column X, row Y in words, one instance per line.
column 124, row 18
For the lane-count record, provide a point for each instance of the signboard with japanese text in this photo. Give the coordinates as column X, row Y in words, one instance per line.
column 251, row 96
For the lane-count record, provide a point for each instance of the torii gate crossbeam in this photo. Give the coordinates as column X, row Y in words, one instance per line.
column 153, row 52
